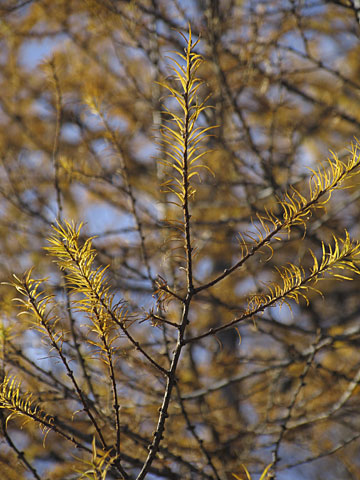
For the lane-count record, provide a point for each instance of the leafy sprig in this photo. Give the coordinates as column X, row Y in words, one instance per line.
column 22, row 404
column 182, row 137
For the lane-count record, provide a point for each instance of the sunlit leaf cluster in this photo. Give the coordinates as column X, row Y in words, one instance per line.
column 22, row 404
column 182, row 136
column 91, row 293
column 295, row 283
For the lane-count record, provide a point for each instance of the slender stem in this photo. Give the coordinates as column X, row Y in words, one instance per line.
column 56, row 145
column 70, row 373
column 170, row 383
column 19, row 453
column 171, row 378
column 186, row 208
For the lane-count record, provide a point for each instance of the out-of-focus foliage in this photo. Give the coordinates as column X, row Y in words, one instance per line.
column 195, row 311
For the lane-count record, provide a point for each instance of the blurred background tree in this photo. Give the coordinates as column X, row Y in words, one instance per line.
column 82, row 102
